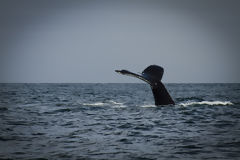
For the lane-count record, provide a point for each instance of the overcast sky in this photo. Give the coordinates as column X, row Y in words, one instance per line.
column 85, row 41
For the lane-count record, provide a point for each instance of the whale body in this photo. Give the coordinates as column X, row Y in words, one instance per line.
column 153, row 76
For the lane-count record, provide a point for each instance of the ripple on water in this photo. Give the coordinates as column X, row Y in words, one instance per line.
column 2, row 109
column 88, row 121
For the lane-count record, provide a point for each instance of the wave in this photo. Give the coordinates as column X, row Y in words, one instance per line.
column 117, row 104
column 110, row 103
column 58, row 111
column 94, row 104
column 114, row 104
column 148, row 106
column 3, row 109
column 211, row 103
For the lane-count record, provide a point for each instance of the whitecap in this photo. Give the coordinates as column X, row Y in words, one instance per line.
column 117, row 104
column 94, row 104
column 211, row 103
column 110, row 103
column 148, row 106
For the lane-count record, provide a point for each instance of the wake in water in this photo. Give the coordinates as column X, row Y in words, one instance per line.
column 211, row 103
column 110, row 103
column 114, row 104
column 148, row 106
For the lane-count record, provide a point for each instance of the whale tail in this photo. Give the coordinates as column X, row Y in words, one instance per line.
column 153, row 76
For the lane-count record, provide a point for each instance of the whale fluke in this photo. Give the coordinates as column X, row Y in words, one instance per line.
column 153, row 76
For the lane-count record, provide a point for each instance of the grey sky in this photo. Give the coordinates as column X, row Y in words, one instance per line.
column 85, row 41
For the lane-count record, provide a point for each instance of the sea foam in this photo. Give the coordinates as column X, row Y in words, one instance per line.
column 94, row 104
column 110, row 103
column 148, row 106
column 211, row 103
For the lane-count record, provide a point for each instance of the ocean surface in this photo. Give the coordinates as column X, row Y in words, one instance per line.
column 119, row 121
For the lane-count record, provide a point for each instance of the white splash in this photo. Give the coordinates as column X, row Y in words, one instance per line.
column 211, row 103
column 148, row 106
column 94, row 104
column 110, row 103
column 117, row 104
column 113, row 102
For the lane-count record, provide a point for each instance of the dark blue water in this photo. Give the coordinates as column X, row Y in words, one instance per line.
column 118, row 121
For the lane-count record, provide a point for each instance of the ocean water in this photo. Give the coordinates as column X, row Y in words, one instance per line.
column 119, row 121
